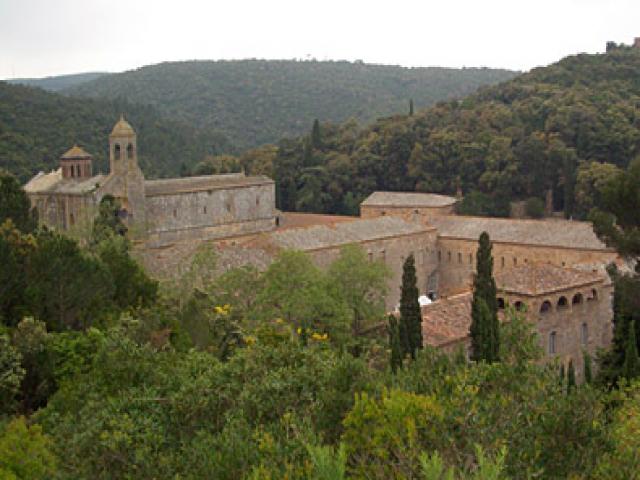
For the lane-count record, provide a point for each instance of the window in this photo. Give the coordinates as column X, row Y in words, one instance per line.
column 545, row 307
column 515, row 261
column 130, row 151
column 459, row 257
column 439, row 256
column 577, row 299
column 257, row 201
column 449, row 256
column 204, row 209
column 563, row 302
column 116, row 151
column 175, row 213
column 584, row 334
column 552, row 343
column 502, row 262
column 501, row 303
column 520, row 307
column 470, row 258
column 594, row 295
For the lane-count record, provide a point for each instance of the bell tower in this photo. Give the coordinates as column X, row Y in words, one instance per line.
column 126, row 181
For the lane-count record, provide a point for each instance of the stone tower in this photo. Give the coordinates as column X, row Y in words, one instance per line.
column 76, row 164
column 126, row 181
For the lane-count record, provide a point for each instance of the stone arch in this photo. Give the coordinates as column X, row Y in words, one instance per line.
column 563, row 302
column 545, row 307
column 577, row 299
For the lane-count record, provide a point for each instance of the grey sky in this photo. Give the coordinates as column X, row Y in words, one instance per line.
column 51, row 37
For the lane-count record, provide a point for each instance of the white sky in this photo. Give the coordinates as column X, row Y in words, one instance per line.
column 52, row 37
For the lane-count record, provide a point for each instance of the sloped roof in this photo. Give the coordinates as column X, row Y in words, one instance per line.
column 122, row 128
column 407, row 199
column 559, row 233
column 538, row 279
column 75, row 152
column 343, row 233
column 171, row 186
column 53, row 182
column 447, row 319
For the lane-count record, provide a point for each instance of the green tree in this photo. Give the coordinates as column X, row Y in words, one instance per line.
column 631, row 367
column 14, row 203
column 411, row 107
column 11, row 375
column 410, row 313
column 362, row 284
column 25, row 452
column 108, row 222
column 588, row 374
column 316, row 135
column 15, row 251
column 484, row 329
column 395, row 354
column 571, row 377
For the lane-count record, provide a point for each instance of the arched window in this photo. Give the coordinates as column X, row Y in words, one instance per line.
column 116, row 151
column 552, row 343
column 584, row 334
column 501, row 303
column 520, row 306
column 563, row 302
column 594, row 295
column 130, row 153
column 545, row 307
column 577, row 299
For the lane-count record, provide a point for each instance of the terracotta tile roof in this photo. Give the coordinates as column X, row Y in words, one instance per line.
column 75, row 152
column 446, row 320
column 408, row 199
column 297, row 220
column 171, row 186
column 53, row 182
column 342, row 233
column 561, row 233
column 538, row 279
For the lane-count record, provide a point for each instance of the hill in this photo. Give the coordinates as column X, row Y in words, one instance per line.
column 513, row 141
column 253, row 102
column 59, row 82
column 36, row 127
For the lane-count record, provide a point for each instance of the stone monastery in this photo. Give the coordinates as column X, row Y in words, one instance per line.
column 551, row 269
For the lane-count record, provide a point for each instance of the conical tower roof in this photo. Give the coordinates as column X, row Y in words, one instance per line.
column 122, row 128
column 75, row 152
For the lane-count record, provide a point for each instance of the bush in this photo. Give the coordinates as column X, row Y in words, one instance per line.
column 534, row 207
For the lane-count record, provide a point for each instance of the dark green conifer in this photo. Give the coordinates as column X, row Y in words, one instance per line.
column 411, row 107
column 484, row 330
column 571, row 377
column 410, row 314
column 561, row 376
column 316, row 135
column 588, row 374
column 631, row 367
column 395, row 359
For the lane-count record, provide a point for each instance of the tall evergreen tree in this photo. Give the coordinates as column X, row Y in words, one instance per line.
column 410, row 314
column 631, row 367
column 571, row 377
column 14, row 204
column 561, row 376
column 395, row 359
column 316, row 135
column 588, row 374
column 484, row 330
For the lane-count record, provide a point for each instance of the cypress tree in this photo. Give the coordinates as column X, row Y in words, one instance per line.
column 571, row 377
column 316, row 135
column 395, row 359
column 631, row 367
column 484, row 330
column 411, row 107
column 561, row 376
column 588, row 375
column 410, row 314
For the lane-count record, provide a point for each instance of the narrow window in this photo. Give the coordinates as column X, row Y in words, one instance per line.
column 584, row 334
column 116, row 151
column 175, row 213
column 130, row 151
column 502, row 262
column 439, row 256
column 204, row 210
column 577, row 299
column 470, row 258
column 515, row 261
column 552, row 343
column 459, row 257
column 501, row 303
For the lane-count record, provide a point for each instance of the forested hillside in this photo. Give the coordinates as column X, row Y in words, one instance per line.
column 58, row 82
column 253, row 102
column 36, row 127
column 552, row 128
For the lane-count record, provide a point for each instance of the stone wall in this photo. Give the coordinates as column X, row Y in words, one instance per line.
column 63, row 211
column 457, row 259
column 393, row 251
column 408, row 213
column 579, row 318
column 208, row 214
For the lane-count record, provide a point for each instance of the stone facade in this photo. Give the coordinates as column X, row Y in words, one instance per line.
column 409, row 205
column 158, row 212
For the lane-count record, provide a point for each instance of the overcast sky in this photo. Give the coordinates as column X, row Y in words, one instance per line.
column 52, row 37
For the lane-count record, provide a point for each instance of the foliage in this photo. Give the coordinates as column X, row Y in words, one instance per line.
column 11, row 375
column 631, row 367
column 253, row 102
column 108, row 222
column 14, row 204
column 25, row 452
column 395, row 347
column 534, row 207
column 484, row 329
column 410, row 323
